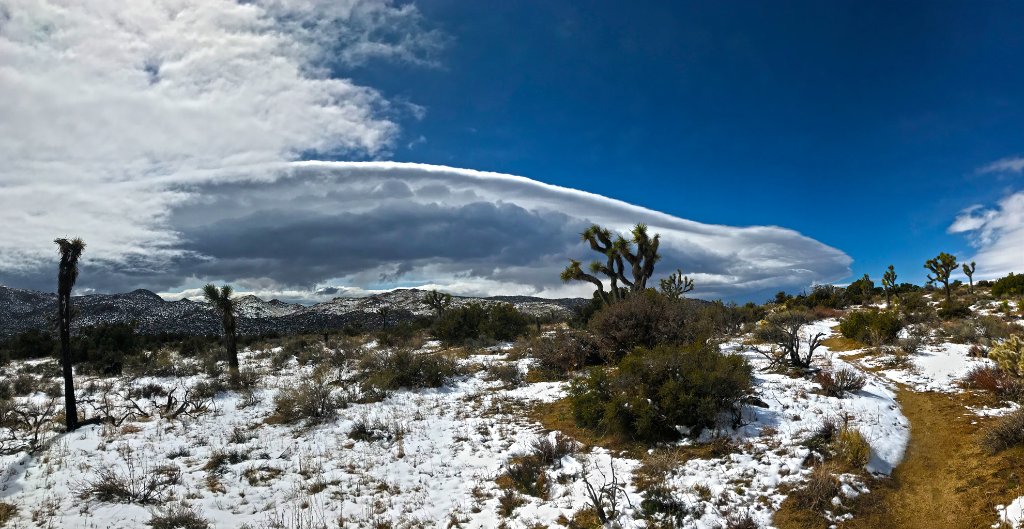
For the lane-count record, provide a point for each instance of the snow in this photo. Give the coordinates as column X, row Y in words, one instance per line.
column 938, row 368
column 1012, row 514
column 435, row 456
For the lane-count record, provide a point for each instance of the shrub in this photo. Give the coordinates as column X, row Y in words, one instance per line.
column 105, row 348
column 840, row 382
column 501, row 322
column 564, row 352
column 1009, row 356
column 1006, row 433
column 850, row 448
column 915, row 308
column 312, row 400
column 1011, row 285
column 551, row 451
column 404, row 368
column 949, row 310
column 817, row 493
column 644, row 320
column 528, row 475
column 994, row 380
column 179, row 516
column 871, row 327
column 508, row 373
column 33, row 343
column 655, row 390
column 137, row 485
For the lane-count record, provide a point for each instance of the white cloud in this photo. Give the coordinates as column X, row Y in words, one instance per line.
column 997, row 233
column 109, row 105
column 1012, row 164
column 165, row 133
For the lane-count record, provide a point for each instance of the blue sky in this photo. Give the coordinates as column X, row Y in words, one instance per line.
column 313, row 148
column 860, row 124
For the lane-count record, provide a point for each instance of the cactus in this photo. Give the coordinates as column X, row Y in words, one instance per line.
column 889, row 285
column 676, row 285
column 942, row 266
column 619, row 255
column 969, row 272
column 1009, row 356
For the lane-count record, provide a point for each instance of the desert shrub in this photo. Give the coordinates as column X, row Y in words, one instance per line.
column 993, row 328
column 565, row 351
column 1009, row 356
column 143, row 486
column 404, row 334
column 951, row 310
column 850, row 448
column 105, row 348
column 655, row 390
column 915, row 308
column 1011, row 285
column 823, row 437
column 528, row 475
column 994, row 380
column 840, row 382
column 404, row 368
column 208, row 389
column 508, row 502
column 7, row 511
column 501, row 322
column 312, row 400
column 817, row 493
column 743, row 520
column 508, row 373
column 871, row 326
column 179, row 516
column 897, row 357
column 1007, row 432
column 550, row 451
column 644, row 320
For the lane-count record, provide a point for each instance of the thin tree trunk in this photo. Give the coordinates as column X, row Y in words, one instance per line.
column 70, row 403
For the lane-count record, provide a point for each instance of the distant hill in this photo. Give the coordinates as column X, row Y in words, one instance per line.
column 22, row 310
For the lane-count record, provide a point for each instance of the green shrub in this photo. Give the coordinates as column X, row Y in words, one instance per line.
column 645, row 320
column 29, row 344
column 404, row 368
column 871, row 326
column 654, row 391
column 1011, row 285
column 949, row 310
column 502, row 322
column 105, row 348
column 1009, row 356
column 311, row 400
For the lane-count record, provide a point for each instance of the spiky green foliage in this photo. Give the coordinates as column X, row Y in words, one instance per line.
column 67, row 274
column 941, row 267
column 969, row 272
column 1009, row 356
column 439, row 301
column 224, row 304
column 889, row 285
column 1011, row 285
column 675, row 285
column 636, row 255
column 860, row 291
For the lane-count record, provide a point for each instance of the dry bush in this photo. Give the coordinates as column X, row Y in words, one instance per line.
column 896, row 358
column 508, row 373
column 1006, row 433
column 840, row 382
column 312, row 400
column 550, row 452
column 179, row 516
column 817, row 493
column 404, row 368
column 137, row 484
column 993, row 380
column 850, row 448
column 528, row 475
column 565, row 352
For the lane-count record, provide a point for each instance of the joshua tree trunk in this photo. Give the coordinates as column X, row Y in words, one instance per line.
column 67, row 274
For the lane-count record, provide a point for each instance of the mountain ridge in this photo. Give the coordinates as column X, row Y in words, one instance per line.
column 22, row 310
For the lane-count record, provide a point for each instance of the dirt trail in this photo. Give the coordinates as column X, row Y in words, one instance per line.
column 945, row 480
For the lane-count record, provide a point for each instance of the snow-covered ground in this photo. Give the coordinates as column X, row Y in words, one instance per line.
column 432, row 458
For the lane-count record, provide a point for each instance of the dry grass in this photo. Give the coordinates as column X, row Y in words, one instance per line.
column 946, row 480
column 839, row 343
column 7, row 511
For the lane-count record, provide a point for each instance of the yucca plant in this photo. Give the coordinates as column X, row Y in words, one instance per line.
column 222, row 302
column 67, row 274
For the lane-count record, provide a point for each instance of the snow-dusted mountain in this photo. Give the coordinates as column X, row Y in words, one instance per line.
column 21, row 310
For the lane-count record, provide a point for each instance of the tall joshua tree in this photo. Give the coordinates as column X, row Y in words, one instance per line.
column 889, row 285
column 222, row 302
column 439, row 301
column 969, row 272
column 676, row 285
column 67, row 274
column 942, row 266
column 619, row 255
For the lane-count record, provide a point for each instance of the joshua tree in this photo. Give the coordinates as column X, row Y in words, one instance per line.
column 618, row 254
column 969, row 272
column 942, row 266
column 383, row 313
column 222, row 302
column 889, row 285
column 676, row 285
column 439, row 301
column 67, row 274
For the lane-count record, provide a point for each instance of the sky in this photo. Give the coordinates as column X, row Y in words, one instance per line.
column 303, row 149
